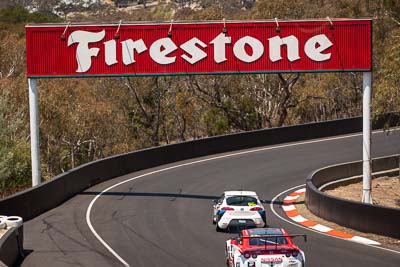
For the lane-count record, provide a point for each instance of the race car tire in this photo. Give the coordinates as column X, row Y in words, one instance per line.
column 216, row 222
column 14, row 221
column 264, row 218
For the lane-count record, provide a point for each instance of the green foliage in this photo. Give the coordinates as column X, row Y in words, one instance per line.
column 13, row 20
column 18, row 15
column 282, row 9
column 15, row 167
column 216, row 122
column 387, row 93
column 14, row 151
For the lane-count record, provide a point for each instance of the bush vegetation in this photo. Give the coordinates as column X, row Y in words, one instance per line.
column 82, row 120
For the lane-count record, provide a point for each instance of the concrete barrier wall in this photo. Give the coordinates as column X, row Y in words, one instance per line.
column 32, row 202
column 11, row 247
column 363, row 217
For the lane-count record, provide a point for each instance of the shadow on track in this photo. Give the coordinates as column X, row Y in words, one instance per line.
column 157, row 194
column 142, row 194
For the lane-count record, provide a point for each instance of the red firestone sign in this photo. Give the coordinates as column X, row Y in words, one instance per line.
column 140, row 49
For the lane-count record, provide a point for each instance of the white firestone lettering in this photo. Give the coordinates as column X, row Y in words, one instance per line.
column 256, row 46
column 219, row 43
column 196, row 54
column 275, row 44
column 160, row 49
column 128, row 49
column 314, row 52
column 84, row 54
column 110, row 48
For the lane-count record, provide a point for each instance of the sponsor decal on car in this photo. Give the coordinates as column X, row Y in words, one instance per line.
column 271, row 260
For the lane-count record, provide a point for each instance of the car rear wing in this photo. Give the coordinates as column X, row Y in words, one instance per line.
column 270, row 244
column 276, row 236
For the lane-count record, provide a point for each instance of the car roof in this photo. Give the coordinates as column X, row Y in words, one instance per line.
column 264, row 231
column 240, row 193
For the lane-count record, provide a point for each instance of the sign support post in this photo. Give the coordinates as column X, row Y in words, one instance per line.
column 367, row 84
column 34, row 125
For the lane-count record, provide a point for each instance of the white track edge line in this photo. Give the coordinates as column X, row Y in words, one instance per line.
column 318, row 232
column 88, row 221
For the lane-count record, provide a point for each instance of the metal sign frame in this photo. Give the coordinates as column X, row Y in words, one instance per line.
column 185, row 48
column 193, row 48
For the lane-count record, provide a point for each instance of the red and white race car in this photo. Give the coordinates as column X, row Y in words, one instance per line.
column 238, row 210
column 262, row 247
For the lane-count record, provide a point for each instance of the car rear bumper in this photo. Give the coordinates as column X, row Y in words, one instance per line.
column 240, row 224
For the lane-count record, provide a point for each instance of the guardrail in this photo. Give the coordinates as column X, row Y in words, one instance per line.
column 356, row 215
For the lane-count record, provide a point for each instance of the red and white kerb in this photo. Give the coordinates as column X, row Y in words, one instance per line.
column 291, row 211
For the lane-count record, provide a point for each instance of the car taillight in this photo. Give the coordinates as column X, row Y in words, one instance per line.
column 246, row 255
column 256, row 209
column 289, row 253
column 227, row 208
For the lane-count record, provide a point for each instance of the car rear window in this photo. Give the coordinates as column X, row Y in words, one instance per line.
column 265, row 241
column 241, row 201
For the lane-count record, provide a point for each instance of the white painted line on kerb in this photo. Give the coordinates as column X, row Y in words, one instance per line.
column 109, row 248
column 321, row 228
column 303, row 190
column 299, row 219
column 289, row 198
column 288, row 207
column 273, row 201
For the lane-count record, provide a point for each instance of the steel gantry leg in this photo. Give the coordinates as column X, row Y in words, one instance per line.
column 34, row 123
column 367, row 84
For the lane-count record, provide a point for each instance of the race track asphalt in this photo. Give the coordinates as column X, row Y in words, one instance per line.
column 164, row 219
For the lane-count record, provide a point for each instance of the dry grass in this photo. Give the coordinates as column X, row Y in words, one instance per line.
column 385, row 191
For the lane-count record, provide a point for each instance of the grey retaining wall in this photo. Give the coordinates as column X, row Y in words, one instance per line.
column 11, row 247
column 363, row 217
column 34, row 201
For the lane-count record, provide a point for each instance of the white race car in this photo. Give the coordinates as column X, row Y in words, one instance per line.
column 238, row 210
column 261, row 247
